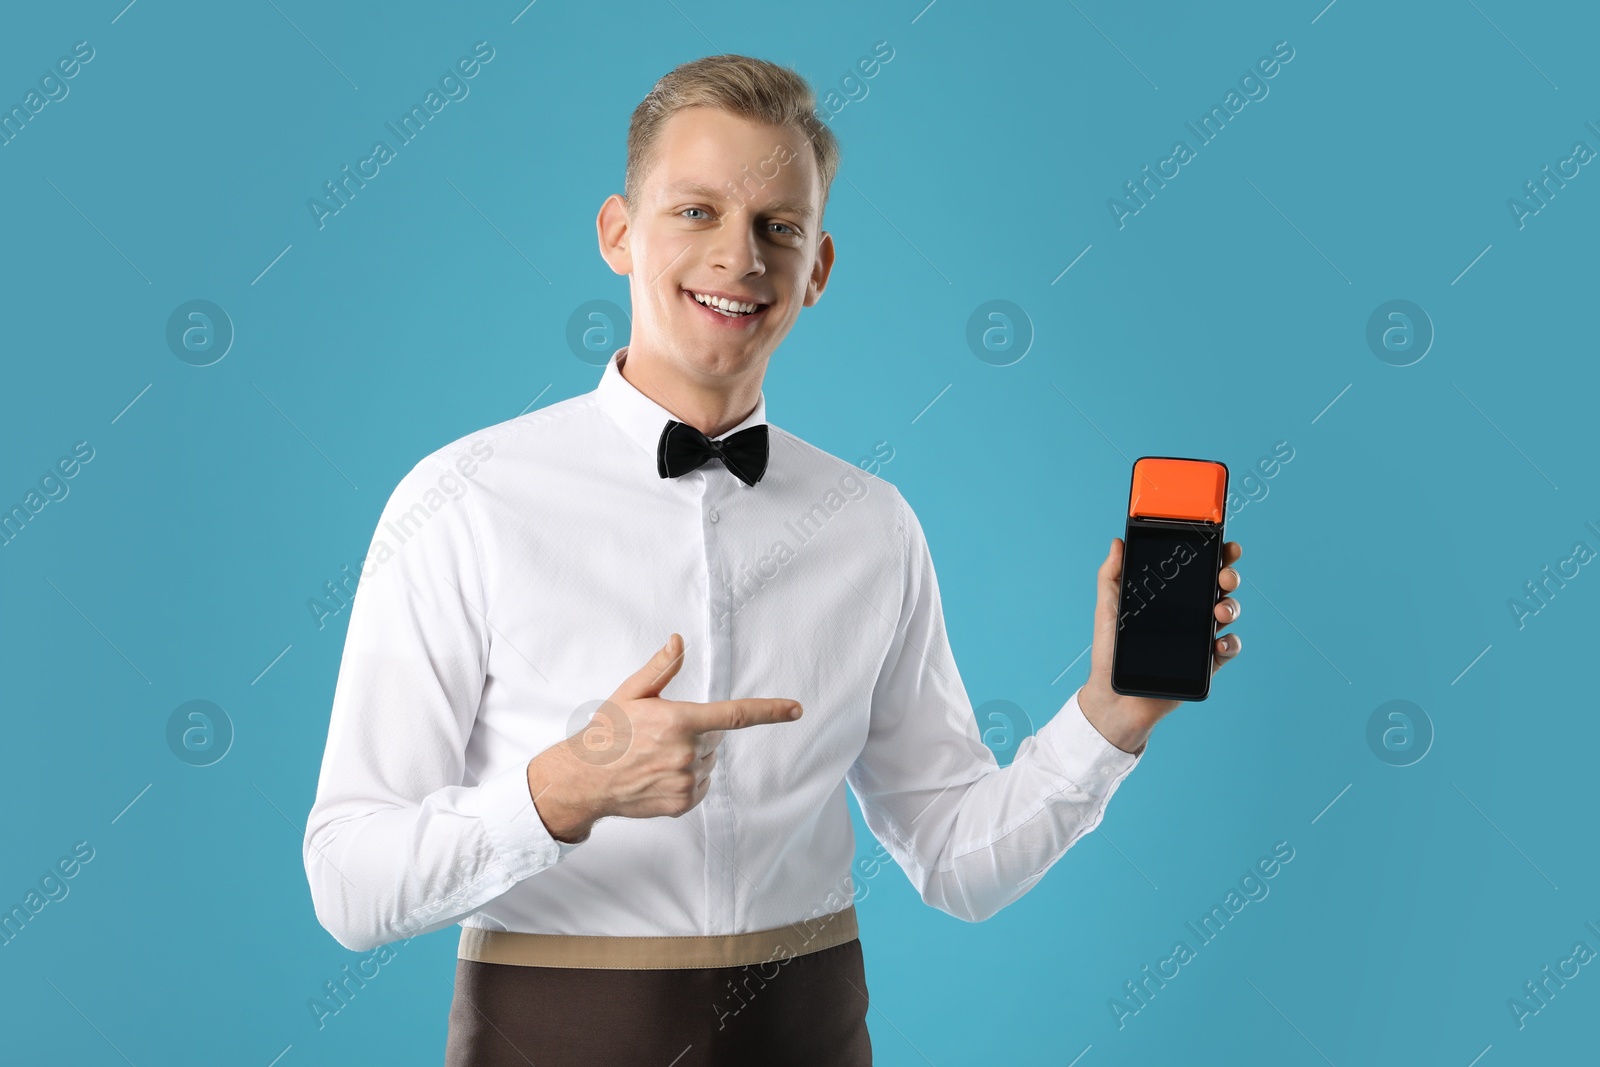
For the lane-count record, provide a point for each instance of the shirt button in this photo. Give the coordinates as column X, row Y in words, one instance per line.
column 713, row 514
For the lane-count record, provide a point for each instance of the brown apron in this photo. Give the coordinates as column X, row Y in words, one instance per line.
column 791, row 995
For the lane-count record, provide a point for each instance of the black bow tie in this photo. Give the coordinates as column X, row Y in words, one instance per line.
column 684, row 448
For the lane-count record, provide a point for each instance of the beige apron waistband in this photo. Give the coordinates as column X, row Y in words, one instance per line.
column 714, row 950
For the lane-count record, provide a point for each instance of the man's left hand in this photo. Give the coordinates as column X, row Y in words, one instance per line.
column 1127, row 721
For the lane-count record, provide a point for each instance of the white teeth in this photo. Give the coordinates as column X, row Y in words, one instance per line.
column 727, row 306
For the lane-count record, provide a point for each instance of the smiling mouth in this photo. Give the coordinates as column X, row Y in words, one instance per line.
column 728, row 309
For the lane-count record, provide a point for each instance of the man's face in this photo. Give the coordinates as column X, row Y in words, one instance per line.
column 729, row 208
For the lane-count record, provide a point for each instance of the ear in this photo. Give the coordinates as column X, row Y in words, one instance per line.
column 820, row 269
column 611, row 225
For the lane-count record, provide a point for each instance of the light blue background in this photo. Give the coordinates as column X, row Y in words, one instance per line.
column 1223, row 318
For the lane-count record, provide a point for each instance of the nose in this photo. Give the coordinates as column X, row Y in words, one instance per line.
column 734, row 248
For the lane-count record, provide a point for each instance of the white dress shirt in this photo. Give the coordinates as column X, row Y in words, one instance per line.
column 519, row 574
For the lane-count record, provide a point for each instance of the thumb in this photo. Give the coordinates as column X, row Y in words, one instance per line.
column 649, row 680
column 1108, row 588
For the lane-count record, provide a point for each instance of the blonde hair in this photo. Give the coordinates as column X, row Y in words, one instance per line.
column 751, row 88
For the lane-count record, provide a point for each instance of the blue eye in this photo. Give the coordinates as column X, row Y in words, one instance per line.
column 692, row 209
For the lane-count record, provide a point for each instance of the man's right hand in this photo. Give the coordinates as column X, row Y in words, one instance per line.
column 641, row 755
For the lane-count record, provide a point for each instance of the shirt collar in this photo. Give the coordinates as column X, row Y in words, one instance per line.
column 642, row 418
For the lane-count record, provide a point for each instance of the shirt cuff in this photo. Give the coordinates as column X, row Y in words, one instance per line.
column 1082, row 752
column 514, row 825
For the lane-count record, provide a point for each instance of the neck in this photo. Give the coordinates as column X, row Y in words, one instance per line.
column 712, row 405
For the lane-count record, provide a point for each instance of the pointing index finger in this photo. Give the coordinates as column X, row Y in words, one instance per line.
column 738, row 714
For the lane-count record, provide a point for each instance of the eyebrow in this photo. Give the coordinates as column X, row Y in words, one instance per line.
column 793, row 207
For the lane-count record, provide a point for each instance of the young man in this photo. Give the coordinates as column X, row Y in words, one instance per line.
column 664, row 875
